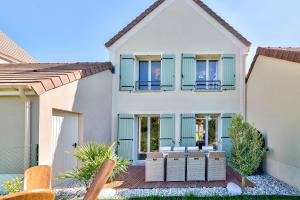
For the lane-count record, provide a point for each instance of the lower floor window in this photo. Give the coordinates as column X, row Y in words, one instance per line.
column 206, row 130
column 148, row 135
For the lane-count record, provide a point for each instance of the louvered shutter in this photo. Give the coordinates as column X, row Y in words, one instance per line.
column 188, row 67
column 125, row 136
column 226, row 140
column 188, row 130
column 168, row 72
column 228, row 71
column 126, row 72
column 167, row 130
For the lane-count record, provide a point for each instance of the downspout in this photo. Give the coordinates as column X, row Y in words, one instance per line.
column 27, row 147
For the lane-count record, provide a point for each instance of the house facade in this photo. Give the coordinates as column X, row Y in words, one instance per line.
column 273, row 107
column 179, row 72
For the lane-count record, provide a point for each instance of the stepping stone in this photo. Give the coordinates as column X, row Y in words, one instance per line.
column 234, row 189
column 107, row 194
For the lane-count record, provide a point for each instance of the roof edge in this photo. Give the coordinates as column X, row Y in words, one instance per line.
column 287, row 54
column 157, row 3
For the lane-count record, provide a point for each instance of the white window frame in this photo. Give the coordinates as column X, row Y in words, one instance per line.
column 207, row 70
column 137, row 67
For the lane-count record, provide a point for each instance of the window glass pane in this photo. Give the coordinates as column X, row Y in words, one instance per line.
column 143, row 75
column 213, row 70
column 213, row 74
column 154, row 135
column 212, row 132
column 143, row 135
column 155, row 75
column 201, row 74
column 200, row 132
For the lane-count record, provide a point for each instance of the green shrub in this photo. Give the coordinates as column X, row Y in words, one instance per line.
column 92, row 157
column 14, row 185
column 247, row 151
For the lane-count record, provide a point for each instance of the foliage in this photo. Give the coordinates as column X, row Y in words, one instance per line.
column 92, row 157
column 247, row 151
column 14, row 185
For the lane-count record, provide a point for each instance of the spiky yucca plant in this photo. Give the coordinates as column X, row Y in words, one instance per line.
column 92, row 157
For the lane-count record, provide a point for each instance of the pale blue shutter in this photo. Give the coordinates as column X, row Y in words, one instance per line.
column 126, row 72
column 125, row 136
column 188, row 68
column 168, row 72
column 226, row 140
column 188, row 130
column 167, row 130
column 228, row 71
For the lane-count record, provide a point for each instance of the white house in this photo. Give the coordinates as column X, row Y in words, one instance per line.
column 273, row 95
column 50, row 108
column 179, row 72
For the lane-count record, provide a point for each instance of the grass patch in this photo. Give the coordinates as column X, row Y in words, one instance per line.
column 220, row 198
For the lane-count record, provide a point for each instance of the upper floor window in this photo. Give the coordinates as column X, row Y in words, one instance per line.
column 147, row 72
column 208, row 72
column 149, row 75
column 207, row 75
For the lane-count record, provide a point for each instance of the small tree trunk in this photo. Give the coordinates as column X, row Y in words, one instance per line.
column 243, row 182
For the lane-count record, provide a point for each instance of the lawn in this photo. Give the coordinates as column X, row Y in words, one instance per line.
column 221, row 198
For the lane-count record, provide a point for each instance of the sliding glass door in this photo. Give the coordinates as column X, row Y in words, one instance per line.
column 148, row 140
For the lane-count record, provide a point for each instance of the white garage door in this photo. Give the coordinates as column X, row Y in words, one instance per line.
column 65, row 138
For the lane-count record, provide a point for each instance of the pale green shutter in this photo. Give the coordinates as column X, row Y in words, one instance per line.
column 125, row 136
column 168, row 72
column 228, row 71
column 188, row 68
column 167, row 130
column 126, row 72
column 226, row 140
column 188, row 130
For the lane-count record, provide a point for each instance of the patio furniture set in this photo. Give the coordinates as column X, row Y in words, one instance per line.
column 185, row 164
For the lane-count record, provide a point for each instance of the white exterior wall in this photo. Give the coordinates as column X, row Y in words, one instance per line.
column 273, row 106
column 178, row 27
column 90, row 97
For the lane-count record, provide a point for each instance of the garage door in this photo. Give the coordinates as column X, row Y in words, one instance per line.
column 65, row 138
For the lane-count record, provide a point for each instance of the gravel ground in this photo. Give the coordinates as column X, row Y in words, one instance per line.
column 265, row 185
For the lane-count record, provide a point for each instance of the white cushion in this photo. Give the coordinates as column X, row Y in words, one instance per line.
column 207, row 148
column 181, row 149
column 162, row 149
column 192, row 148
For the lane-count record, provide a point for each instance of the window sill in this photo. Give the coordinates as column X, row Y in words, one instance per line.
column 217, row 91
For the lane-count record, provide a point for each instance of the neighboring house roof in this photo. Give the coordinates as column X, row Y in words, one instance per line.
column 10, row 51
column 42, row 77
column 288, row 54
column 158, row 3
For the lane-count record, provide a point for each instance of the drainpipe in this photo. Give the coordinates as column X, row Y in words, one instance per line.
column 27, row 147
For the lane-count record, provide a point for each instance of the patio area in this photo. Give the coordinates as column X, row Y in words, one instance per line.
column 135, row 179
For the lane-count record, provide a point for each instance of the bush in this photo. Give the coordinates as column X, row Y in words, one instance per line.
column 247, row 151
column 92, row 157
column 14, row 185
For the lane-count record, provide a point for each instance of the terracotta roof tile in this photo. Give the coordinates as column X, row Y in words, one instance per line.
column 283, row 53
column 11, row 50
column 158, row 3
column 43, row 77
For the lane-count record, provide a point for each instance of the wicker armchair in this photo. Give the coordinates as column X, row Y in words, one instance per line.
column 176, row 166
column 38, row 177
column 196, row 166
column 154, row 167
column 216, row 166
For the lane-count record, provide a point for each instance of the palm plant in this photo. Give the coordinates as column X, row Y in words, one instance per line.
column 92, row 157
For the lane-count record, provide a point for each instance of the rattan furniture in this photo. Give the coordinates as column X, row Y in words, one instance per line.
column 176, row 166
column 154, row 167
column 216, row 166
column 196, row 166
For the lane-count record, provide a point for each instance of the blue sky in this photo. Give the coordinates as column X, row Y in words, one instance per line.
column 76, row 30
